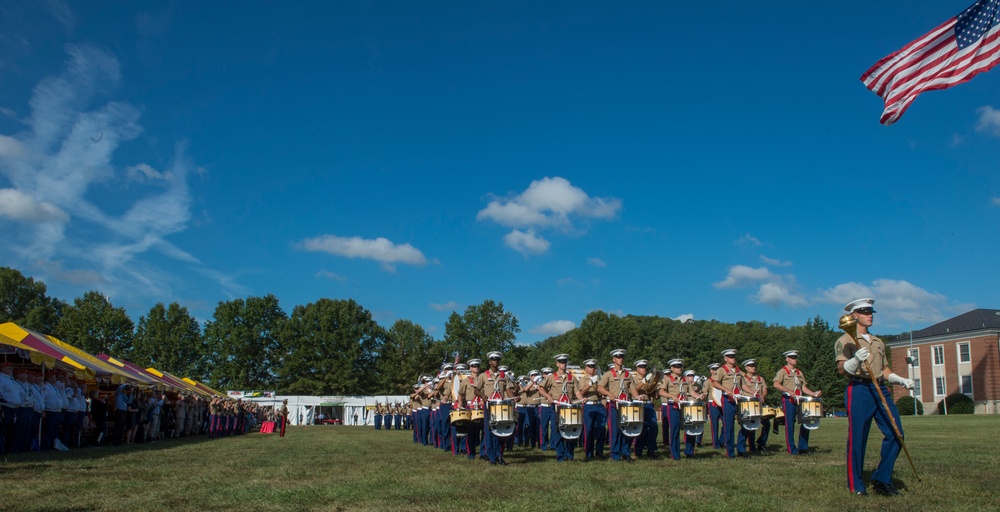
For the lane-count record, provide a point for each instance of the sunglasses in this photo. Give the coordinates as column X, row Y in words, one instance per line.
column 751, row 366
column 563, row 361
column 793, row 357
column 731, row 356
column 677, row 366
column 591, row 366
column 864, row 311
column 473, row 366
column 640, row 366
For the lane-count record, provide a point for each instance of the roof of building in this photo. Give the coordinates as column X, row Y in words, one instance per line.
column 974, row 320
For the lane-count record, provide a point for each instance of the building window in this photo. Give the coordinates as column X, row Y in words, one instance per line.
column 915, row 357
column 938, row 386
column 963, row 353
column 916, row 388
column 967, row 384
column 938, row 355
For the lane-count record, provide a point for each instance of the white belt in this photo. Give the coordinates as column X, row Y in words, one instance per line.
column 545, row 405
column 532, row 406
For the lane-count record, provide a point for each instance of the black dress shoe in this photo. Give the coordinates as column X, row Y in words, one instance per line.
column 628, row 459
column 502, row 461
column 745, row 455
column 860, row 493
column 885, row 489
column 493, row 462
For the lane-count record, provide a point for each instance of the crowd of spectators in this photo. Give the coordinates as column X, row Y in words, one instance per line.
column 61, row 413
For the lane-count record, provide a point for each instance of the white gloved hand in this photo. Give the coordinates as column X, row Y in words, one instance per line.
column 851, row 365
column 896, row 379
column 538, row 379
column 593, row 379
column 648, row 377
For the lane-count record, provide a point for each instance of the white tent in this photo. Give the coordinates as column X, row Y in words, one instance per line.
column 351, row 410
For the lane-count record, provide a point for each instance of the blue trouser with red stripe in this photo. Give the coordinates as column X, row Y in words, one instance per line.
column 444, row 426
column 714, row 415
column 791, row 409
column 675, row 424
column 864, row 405
column 728, row 426
column 378, row 422
column 595, row 417
column 564, row 447
column 664, row 424
column 544, row 424
column 423, row 426
column 646, row 441
column 491, row 443
column 619, row 446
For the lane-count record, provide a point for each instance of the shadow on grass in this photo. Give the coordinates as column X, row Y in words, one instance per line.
column 39, row 460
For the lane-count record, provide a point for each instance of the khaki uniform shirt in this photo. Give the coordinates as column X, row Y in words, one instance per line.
column 727, row 379
column 590, row 396
column 530, row 392
column 672, row 385
column 752, row 386
column 617, row 383
column 489, row 383
column 445, row 387
column 557, row 386
column 876, row 358
column 790, row 378
column 466, row 389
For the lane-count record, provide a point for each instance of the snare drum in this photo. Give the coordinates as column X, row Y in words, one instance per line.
column 570, row 420
column 477, row 414
column 693, row 416
column 750, row 412
column 460, row 416
column 630, row 417
column 502, row 419
column 810, row 411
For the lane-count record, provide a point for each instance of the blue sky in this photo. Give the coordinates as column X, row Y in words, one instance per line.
column 716, row 161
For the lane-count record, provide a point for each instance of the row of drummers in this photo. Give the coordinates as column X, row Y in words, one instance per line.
column 615, row 406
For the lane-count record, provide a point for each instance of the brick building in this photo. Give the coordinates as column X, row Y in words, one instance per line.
column 958, row 355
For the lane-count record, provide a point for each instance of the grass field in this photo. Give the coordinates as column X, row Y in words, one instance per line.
column 356, row 468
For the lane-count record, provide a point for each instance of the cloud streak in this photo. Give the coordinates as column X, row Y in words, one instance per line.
column 65, row 153
column 379, row 249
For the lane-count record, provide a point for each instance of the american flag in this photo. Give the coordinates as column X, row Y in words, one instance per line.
column 952, row 53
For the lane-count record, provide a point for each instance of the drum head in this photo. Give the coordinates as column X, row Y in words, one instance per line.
column 632, row 429
column 751, row 424
column 812, row 424
column 503, row 429
column 695, row 430
column 570, row 431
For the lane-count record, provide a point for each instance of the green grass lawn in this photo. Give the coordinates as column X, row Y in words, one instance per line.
column 356, row 468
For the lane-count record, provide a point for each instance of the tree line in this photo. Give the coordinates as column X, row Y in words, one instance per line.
column 334, row 346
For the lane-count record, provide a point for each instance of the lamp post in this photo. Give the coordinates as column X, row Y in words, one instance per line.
column 910, row 361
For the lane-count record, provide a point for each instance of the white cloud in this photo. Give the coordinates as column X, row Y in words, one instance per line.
column 447, row 306
column 330, row 275
column 18, row 206
column 145, row 171
column 554, row 327
column 995, row 201
column 775, row 263
column 526, row 242
column 742, row 275
column 685, row 317
column 748, row 239
column 378, row 249
column 772, row 289
column 596, row 262
column 778, row 294
column 989, row 120
column 548, row 203
column 66, row 151
column 897, row 300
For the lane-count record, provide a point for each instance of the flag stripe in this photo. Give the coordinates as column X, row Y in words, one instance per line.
column 952, row 53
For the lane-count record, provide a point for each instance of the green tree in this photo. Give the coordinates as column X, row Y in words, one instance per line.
column 407, row 353
column 329, row 347
column 169, row 339
column 242, row 339
column 24, row 302
column 481, row 329
column 94, row 325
